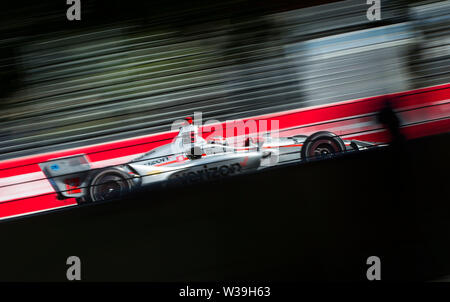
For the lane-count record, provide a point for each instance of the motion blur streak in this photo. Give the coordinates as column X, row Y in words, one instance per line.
column 93, row 84
column 112, row 87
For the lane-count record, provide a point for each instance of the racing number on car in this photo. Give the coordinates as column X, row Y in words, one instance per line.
column 72, row 185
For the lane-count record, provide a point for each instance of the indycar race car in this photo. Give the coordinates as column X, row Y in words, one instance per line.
column 189, row 158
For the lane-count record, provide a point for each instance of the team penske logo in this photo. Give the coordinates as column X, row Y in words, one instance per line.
column 206, row 173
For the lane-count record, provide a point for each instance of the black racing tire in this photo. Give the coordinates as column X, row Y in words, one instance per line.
column 321, row 144
column 109, row 184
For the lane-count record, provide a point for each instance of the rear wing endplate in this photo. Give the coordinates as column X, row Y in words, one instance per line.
column 68, row 175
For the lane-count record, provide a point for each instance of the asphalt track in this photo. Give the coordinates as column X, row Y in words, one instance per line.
column 316, row 221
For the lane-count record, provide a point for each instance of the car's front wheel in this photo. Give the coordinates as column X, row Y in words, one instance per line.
column 109, row 184
column 322, row 144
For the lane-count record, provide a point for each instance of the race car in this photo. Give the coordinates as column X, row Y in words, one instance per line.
column 189, row 158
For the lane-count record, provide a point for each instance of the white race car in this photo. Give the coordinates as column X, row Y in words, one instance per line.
column 187, row 159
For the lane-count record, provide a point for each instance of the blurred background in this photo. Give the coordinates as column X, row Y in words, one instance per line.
column 130, row 68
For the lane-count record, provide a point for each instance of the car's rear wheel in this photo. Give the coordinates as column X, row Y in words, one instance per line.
column 322, row 144
column 109, row 184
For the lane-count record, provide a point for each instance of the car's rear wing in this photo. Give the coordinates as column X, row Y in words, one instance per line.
column 68, row 175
